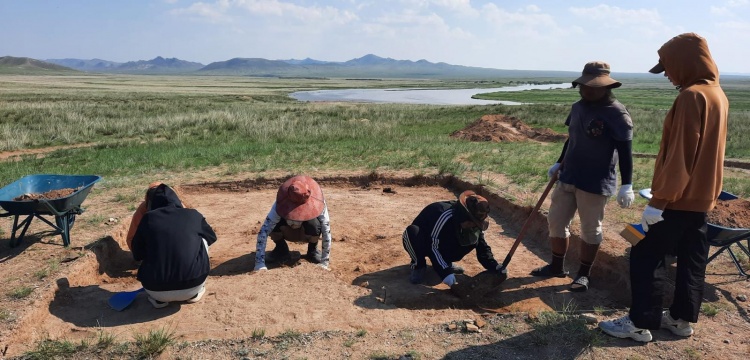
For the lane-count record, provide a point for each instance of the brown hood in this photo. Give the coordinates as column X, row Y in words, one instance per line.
column 688, row 61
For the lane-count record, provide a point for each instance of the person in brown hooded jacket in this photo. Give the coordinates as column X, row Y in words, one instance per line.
column 687, row 180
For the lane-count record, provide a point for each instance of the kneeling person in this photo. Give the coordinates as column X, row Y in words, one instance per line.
column 446, row 231
column 172, row 244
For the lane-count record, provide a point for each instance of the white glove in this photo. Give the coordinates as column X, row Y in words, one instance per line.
column 552, row 170
column 651, row 215
column 260, row 266
column 625, row 197
column 450, row 280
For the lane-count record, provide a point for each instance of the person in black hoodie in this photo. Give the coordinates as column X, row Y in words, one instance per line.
column 172, row 244
column 446, row 231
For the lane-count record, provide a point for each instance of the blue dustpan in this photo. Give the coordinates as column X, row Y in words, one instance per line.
column 123, row 299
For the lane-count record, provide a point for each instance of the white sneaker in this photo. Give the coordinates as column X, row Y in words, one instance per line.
column 156, row 303
column 678, row 327
column 624, row 328
column 197, row 296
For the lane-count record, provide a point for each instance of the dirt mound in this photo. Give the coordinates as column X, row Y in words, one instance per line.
column 731, row 214
column 499, row 128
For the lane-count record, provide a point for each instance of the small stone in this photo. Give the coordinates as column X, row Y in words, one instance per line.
column 741, row 297
column 480, row 323
column 365, row 284
column 452, row 327
column 472, row 328
column 727, row 341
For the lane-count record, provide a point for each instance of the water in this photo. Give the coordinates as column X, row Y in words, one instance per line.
column 418, row 96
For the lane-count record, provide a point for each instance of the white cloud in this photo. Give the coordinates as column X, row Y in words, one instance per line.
column 222, row 10
column 720, row 11
column 210, row 12
column 614, row 15
column 737, row 3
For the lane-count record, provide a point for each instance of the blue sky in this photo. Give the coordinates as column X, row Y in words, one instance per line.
column 529, row 35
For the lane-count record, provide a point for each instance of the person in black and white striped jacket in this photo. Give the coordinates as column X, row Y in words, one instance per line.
column 445, row 232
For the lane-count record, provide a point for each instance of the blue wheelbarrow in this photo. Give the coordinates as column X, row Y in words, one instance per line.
column 64, row 209
column 722, row 237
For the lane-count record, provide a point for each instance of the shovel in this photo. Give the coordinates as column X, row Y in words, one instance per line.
column 121, row 300
column 504, row 267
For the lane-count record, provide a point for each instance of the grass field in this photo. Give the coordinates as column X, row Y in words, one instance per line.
column 141, row 125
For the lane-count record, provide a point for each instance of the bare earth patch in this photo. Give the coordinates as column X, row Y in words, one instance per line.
column 497, row 128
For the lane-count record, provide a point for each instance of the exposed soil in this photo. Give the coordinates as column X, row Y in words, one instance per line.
column 49, row 195
column 731, row 213
column 501, row 128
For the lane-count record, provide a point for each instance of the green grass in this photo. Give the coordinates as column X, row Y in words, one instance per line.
column 20, row 292
column 54, row 349
column 138, row 126
column 154, row 342
column 258, row 333
column 709, row 309
column 6, row 315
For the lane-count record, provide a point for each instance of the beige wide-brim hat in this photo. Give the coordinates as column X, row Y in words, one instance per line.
column 299, row 198
column 477, row 206
column 596, row 74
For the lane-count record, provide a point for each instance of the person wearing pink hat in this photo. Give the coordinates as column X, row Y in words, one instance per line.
column 299, row 214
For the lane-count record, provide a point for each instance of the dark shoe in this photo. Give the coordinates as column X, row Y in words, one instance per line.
column 156, row 303
column 580, row 284
column 546, row 271
column 416, row 276
column 313, row 254
column 457, row 269
column 278, row 255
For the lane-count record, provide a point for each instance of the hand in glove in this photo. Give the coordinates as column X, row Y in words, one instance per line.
column 553, row 170
column 625, row 197
column 502, row 272
column 651, row 215
column 260, row 266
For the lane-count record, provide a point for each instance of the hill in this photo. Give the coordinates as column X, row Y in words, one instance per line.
column 368, row 66
column 28, row 66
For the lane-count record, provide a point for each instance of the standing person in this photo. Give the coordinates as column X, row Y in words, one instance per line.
column 172, row 244
column 687, row 180
column 300, row 214
column 600, row 133
column 445, row 232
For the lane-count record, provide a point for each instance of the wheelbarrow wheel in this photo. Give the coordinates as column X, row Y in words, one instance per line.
column 59, row 221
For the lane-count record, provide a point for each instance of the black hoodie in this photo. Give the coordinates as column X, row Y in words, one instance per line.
column 169, row 242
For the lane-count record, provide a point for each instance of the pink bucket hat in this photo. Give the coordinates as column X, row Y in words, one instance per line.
column 299, row 198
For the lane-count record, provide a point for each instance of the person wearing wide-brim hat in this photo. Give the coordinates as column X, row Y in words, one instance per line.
column 299, row 214
column 445, row 232
column 600, row 133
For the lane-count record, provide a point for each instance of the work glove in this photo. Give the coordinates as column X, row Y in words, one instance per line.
column 651, row 215
column 625, row 197
column 260, row 266
column 501, row 272
column 450, row 280
column 552, row 170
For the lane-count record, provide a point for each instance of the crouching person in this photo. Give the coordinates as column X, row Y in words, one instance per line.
column 299, row 214
column 172, row 244
column 445, row 232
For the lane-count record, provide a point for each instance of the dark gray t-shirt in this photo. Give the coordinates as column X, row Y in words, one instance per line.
column 591, row 157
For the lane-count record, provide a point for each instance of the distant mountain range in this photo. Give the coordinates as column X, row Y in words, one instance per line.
column 368, row 66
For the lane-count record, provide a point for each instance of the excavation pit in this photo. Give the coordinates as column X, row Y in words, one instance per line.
column 366, row 288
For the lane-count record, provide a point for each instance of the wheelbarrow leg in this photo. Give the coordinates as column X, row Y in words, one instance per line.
column 64, row 222
column 25, row 224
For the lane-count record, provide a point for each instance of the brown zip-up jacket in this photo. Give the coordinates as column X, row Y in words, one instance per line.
column 689, row 168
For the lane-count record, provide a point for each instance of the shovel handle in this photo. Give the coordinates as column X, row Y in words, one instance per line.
column 528, row 221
